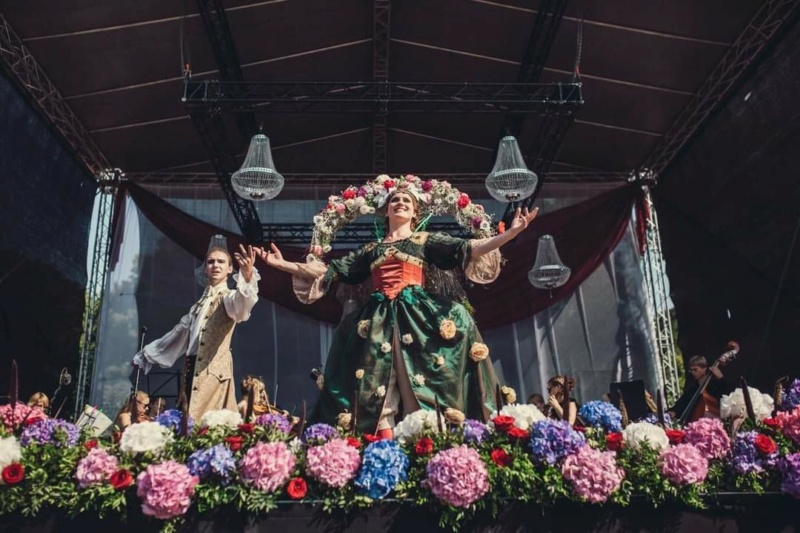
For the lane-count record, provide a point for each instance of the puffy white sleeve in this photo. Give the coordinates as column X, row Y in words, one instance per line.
column 165, row 351
column 239, row 302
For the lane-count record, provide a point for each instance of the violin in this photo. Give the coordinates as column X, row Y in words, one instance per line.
column 702, row 403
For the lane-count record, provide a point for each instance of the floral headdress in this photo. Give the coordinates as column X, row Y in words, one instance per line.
column 434, row 198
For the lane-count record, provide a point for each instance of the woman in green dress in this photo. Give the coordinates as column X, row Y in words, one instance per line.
column 405, row 349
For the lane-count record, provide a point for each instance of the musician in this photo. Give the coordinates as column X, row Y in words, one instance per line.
column 717, row 387
column 557, row 389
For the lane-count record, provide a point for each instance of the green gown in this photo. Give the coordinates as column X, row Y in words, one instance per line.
column 404, row 328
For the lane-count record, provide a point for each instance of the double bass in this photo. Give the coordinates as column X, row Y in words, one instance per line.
column 702, row 402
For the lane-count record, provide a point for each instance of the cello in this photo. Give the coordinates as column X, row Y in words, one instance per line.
column 702, row 402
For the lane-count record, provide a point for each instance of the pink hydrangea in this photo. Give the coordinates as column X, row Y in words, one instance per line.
column 458, row 476
column 790, row 424
column 709, row 436
column 267, row 465
column 13, row 417
column 96, row 468
column 166, row 489
column 334, row 463
column 684, row 464
column 594, row 475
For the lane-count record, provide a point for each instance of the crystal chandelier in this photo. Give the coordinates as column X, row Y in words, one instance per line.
column 510, row 180
column 257, row 179
column 548, row 271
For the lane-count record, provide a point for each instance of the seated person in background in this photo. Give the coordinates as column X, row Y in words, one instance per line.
column 40, row 400
column 717, row 387
column 252, row 384
column 537, row 400
column 556, row 392
column 125, row 415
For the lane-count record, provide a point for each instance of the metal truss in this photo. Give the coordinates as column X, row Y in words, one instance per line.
column 23, row 68
column 548, row 19
column 215, row 139
column 206, row 178
column 353, row 234
column 107, row 181
column 381, row 24
column 655, row 278
column 215, row 22
column 368, row 97
column 759, row 32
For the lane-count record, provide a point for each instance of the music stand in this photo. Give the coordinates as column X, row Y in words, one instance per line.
column 633, row 394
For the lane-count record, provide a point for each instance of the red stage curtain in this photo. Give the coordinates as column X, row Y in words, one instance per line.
column 585, row 234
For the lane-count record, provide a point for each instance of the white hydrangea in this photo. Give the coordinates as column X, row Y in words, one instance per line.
column 414, row 425
column 145, row 437
column 733, row 406
column 525, row 415
column 295, row 446
column 638, row 432
column 221, row 417
column 10, row 452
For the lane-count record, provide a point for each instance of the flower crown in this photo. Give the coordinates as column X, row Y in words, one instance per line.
column 434, row 198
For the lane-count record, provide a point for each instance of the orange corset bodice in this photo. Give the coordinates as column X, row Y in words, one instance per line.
column 393, row 275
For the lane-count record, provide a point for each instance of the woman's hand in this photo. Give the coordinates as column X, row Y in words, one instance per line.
column 553, row 402
column 522, row 219
column 247, row 261
column 273, row 258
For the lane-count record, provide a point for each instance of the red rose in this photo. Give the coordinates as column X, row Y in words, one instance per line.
column 90, row 444
column 202, row 431
column 519, row 434
column 463, row 201
column 614, row 442
column 31, row 421
column 246, row 428
column 355, row 443
column 773, row 423
column 349, row 194
column 579, row 429
column 368, row 437
column 675, row 436
column 503, row 423
column 121, row 479
column 388, row 184
column 765, row 444
column 116, row 436
column 234, row 443
column 297, row 488
column 424, row 446
column 13, row 474
column 501, row 458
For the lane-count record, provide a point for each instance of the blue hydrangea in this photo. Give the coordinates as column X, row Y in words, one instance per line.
column 317, row 434
column 273, row 421
column 552, row 440
column 171, row 418
column 217, row 461
column 602, row 415
column 652, row 418
column 384, row 466
column 475, row 432
column 51, row 431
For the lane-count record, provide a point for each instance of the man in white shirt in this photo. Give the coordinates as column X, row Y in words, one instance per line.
column 204, row 334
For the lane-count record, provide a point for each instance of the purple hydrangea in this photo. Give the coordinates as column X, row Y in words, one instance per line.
column 273, row 421
column 51, row 431
column 791, row 396
column 171, row 418
column 652, row 418
column 217, row 461
column 317, row 434
column 790, row 468
column 475, row 431
column 552, row 440
column 747, row 458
